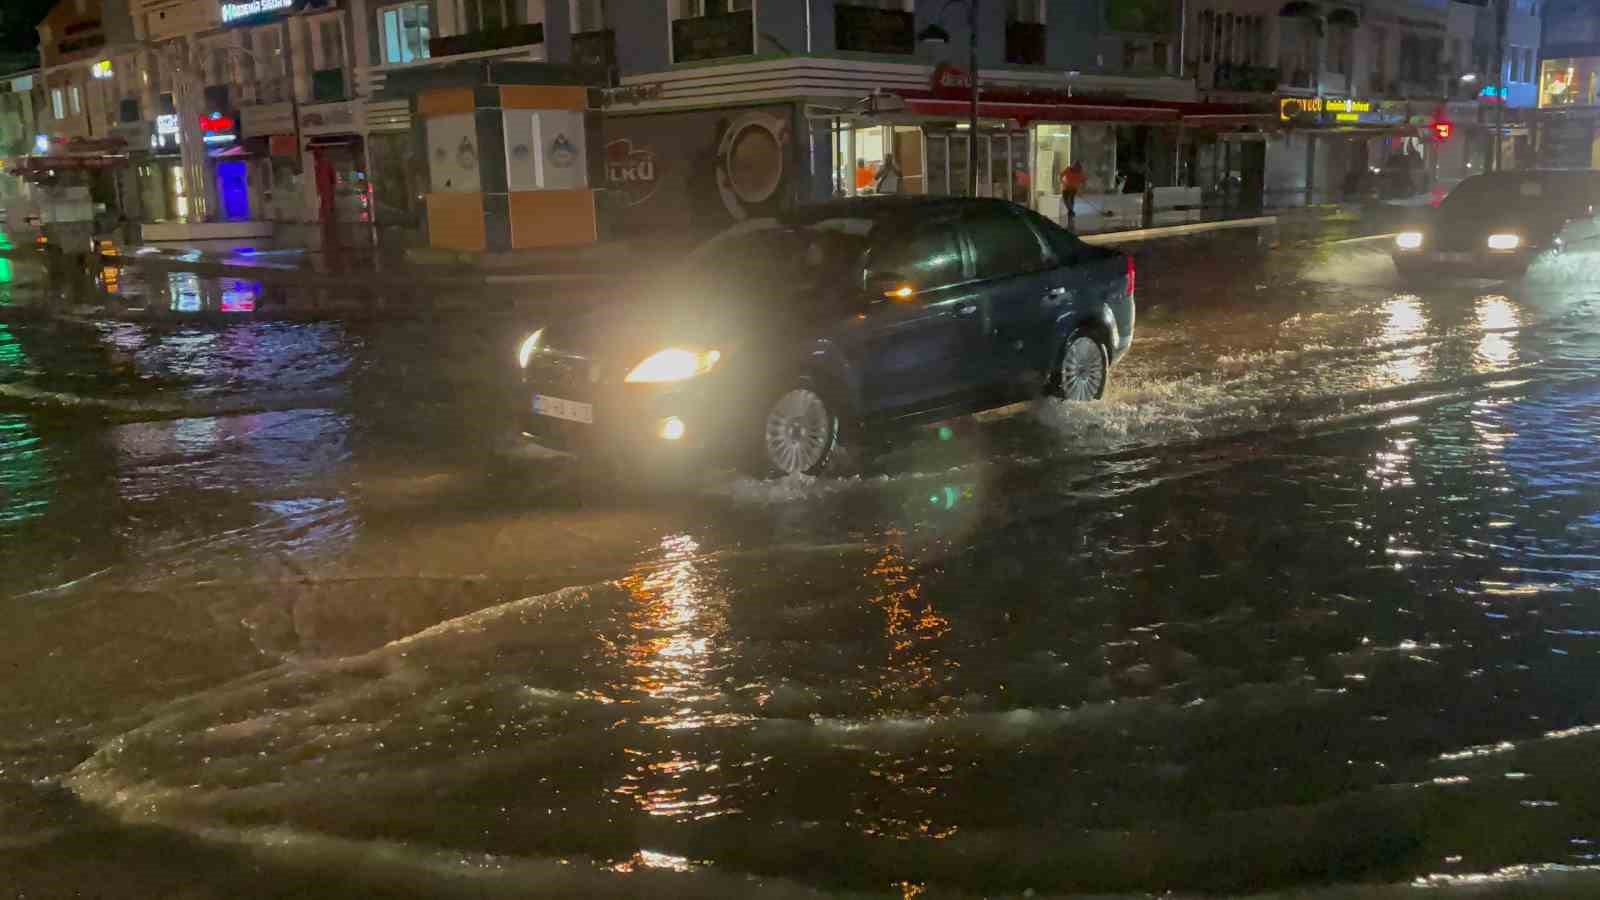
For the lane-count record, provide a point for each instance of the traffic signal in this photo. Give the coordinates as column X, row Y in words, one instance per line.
column 1442, row 129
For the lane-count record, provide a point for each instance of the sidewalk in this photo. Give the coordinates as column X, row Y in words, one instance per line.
column 426, row 275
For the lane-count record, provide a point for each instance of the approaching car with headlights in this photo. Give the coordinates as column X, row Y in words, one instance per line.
column 780, row 335
column 1496, row 225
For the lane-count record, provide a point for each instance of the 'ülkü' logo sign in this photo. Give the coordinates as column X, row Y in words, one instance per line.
column 631, row 171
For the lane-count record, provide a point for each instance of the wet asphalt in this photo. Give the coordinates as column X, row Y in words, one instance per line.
column 1307, row 603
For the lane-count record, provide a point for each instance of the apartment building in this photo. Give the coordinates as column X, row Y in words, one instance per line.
column 1569, row 85
column 1359, row 84
column 784, row 86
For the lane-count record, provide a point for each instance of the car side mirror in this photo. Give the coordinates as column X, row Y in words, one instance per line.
column 888, row 286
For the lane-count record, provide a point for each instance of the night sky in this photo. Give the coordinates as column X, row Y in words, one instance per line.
column 17, row 21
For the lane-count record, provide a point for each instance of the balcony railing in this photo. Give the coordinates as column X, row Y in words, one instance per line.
column 493, row 39
column 1025, row 43
column 870, row 30
column 1240, row 77
column 269, row 90
column 327, row 85
column 713, row 37
column 595, row 48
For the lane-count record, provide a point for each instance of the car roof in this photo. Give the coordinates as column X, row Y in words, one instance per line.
column 881, row 209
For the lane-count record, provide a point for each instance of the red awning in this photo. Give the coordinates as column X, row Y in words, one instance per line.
column 1057, row 106
column 39, row 164
column 1047, row 112
column 1230, row 120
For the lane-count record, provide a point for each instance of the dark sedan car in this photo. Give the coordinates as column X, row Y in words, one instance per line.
column 777, row 336
column 1496, row 225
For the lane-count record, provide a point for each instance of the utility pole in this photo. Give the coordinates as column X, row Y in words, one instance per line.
column 185, row 65
column 1500, row 12
column 935, row 34
column 972, row 64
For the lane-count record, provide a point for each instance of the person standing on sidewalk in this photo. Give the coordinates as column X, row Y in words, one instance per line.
column 1072, row 181
column 889, row 176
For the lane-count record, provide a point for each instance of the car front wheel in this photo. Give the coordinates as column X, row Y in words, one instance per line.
column 800, row 432
column 1084, row 369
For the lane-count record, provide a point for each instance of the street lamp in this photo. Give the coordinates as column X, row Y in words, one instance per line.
column 935, row 34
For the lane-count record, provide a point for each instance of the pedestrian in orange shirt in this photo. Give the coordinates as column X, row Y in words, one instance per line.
column 1072, row 180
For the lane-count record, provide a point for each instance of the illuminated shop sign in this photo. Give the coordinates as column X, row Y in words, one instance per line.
column 217, row 128
column 167, row 124
column 1340, row 109
column 250, row 9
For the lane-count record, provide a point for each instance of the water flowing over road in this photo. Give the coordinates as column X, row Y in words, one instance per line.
column 1309, row 600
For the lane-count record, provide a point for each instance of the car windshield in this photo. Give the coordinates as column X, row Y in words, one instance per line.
column 767, row 253
column 1491, row 197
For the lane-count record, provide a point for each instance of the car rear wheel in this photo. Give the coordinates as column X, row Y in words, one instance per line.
column 1083, row 370
column 800, row 432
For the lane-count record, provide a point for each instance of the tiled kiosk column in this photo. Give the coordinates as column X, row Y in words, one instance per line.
column 507, row 166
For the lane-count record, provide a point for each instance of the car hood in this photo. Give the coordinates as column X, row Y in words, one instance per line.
column 651, row 315
column 1467, row 232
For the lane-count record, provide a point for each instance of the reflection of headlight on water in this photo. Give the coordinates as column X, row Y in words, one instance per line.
column 529, row 344
column 950, row 496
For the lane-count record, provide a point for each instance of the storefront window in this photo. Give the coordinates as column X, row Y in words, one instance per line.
column 1569, row 82
column 863, row 153
column 1052, row 153
column 957, row 158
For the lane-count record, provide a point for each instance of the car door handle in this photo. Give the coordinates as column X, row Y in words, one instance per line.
column 966, row 309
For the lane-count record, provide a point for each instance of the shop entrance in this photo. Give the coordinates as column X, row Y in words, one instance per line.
column 233, row 189
column 1003, row 170
column 344, row 199
column 878, row 159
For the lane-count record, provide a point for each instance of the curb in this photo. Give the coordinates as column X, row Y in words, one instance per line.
column 1166, row 231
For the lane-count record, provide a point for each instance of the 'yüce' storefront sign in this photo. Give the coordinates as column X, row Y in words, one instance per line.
column 249, row 9
column 1340, row 109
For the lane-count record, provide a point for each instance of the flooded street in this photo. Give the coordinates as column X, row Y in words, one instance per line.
column 1309, row 601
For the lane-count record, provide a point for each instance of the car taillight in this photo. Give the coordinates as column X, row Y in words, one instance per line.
column 1133, row 276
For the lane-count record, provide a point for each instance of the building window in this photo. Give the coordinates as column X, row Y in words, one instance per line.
column 489, row 15
column 58, row 103
column 713, row 29
column 588, row 15
column 1030, row 12
column 331, row 47
column 1339, row 48
column 405, row 32
column 1380, row 60
column 1527, row 64
column 77, row 100
column 690, row 9
column 216, row 66
column 267, row 62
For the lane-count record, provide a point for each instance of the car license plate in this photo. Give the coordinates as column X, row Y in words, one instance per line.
column 1454, row 257
column 557, row 408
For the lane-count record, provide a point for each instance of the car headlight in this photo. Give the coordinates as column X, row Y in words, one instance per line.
column 1504, row 241
column 529, row 345
column 1408, row 240
column 673, row 364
